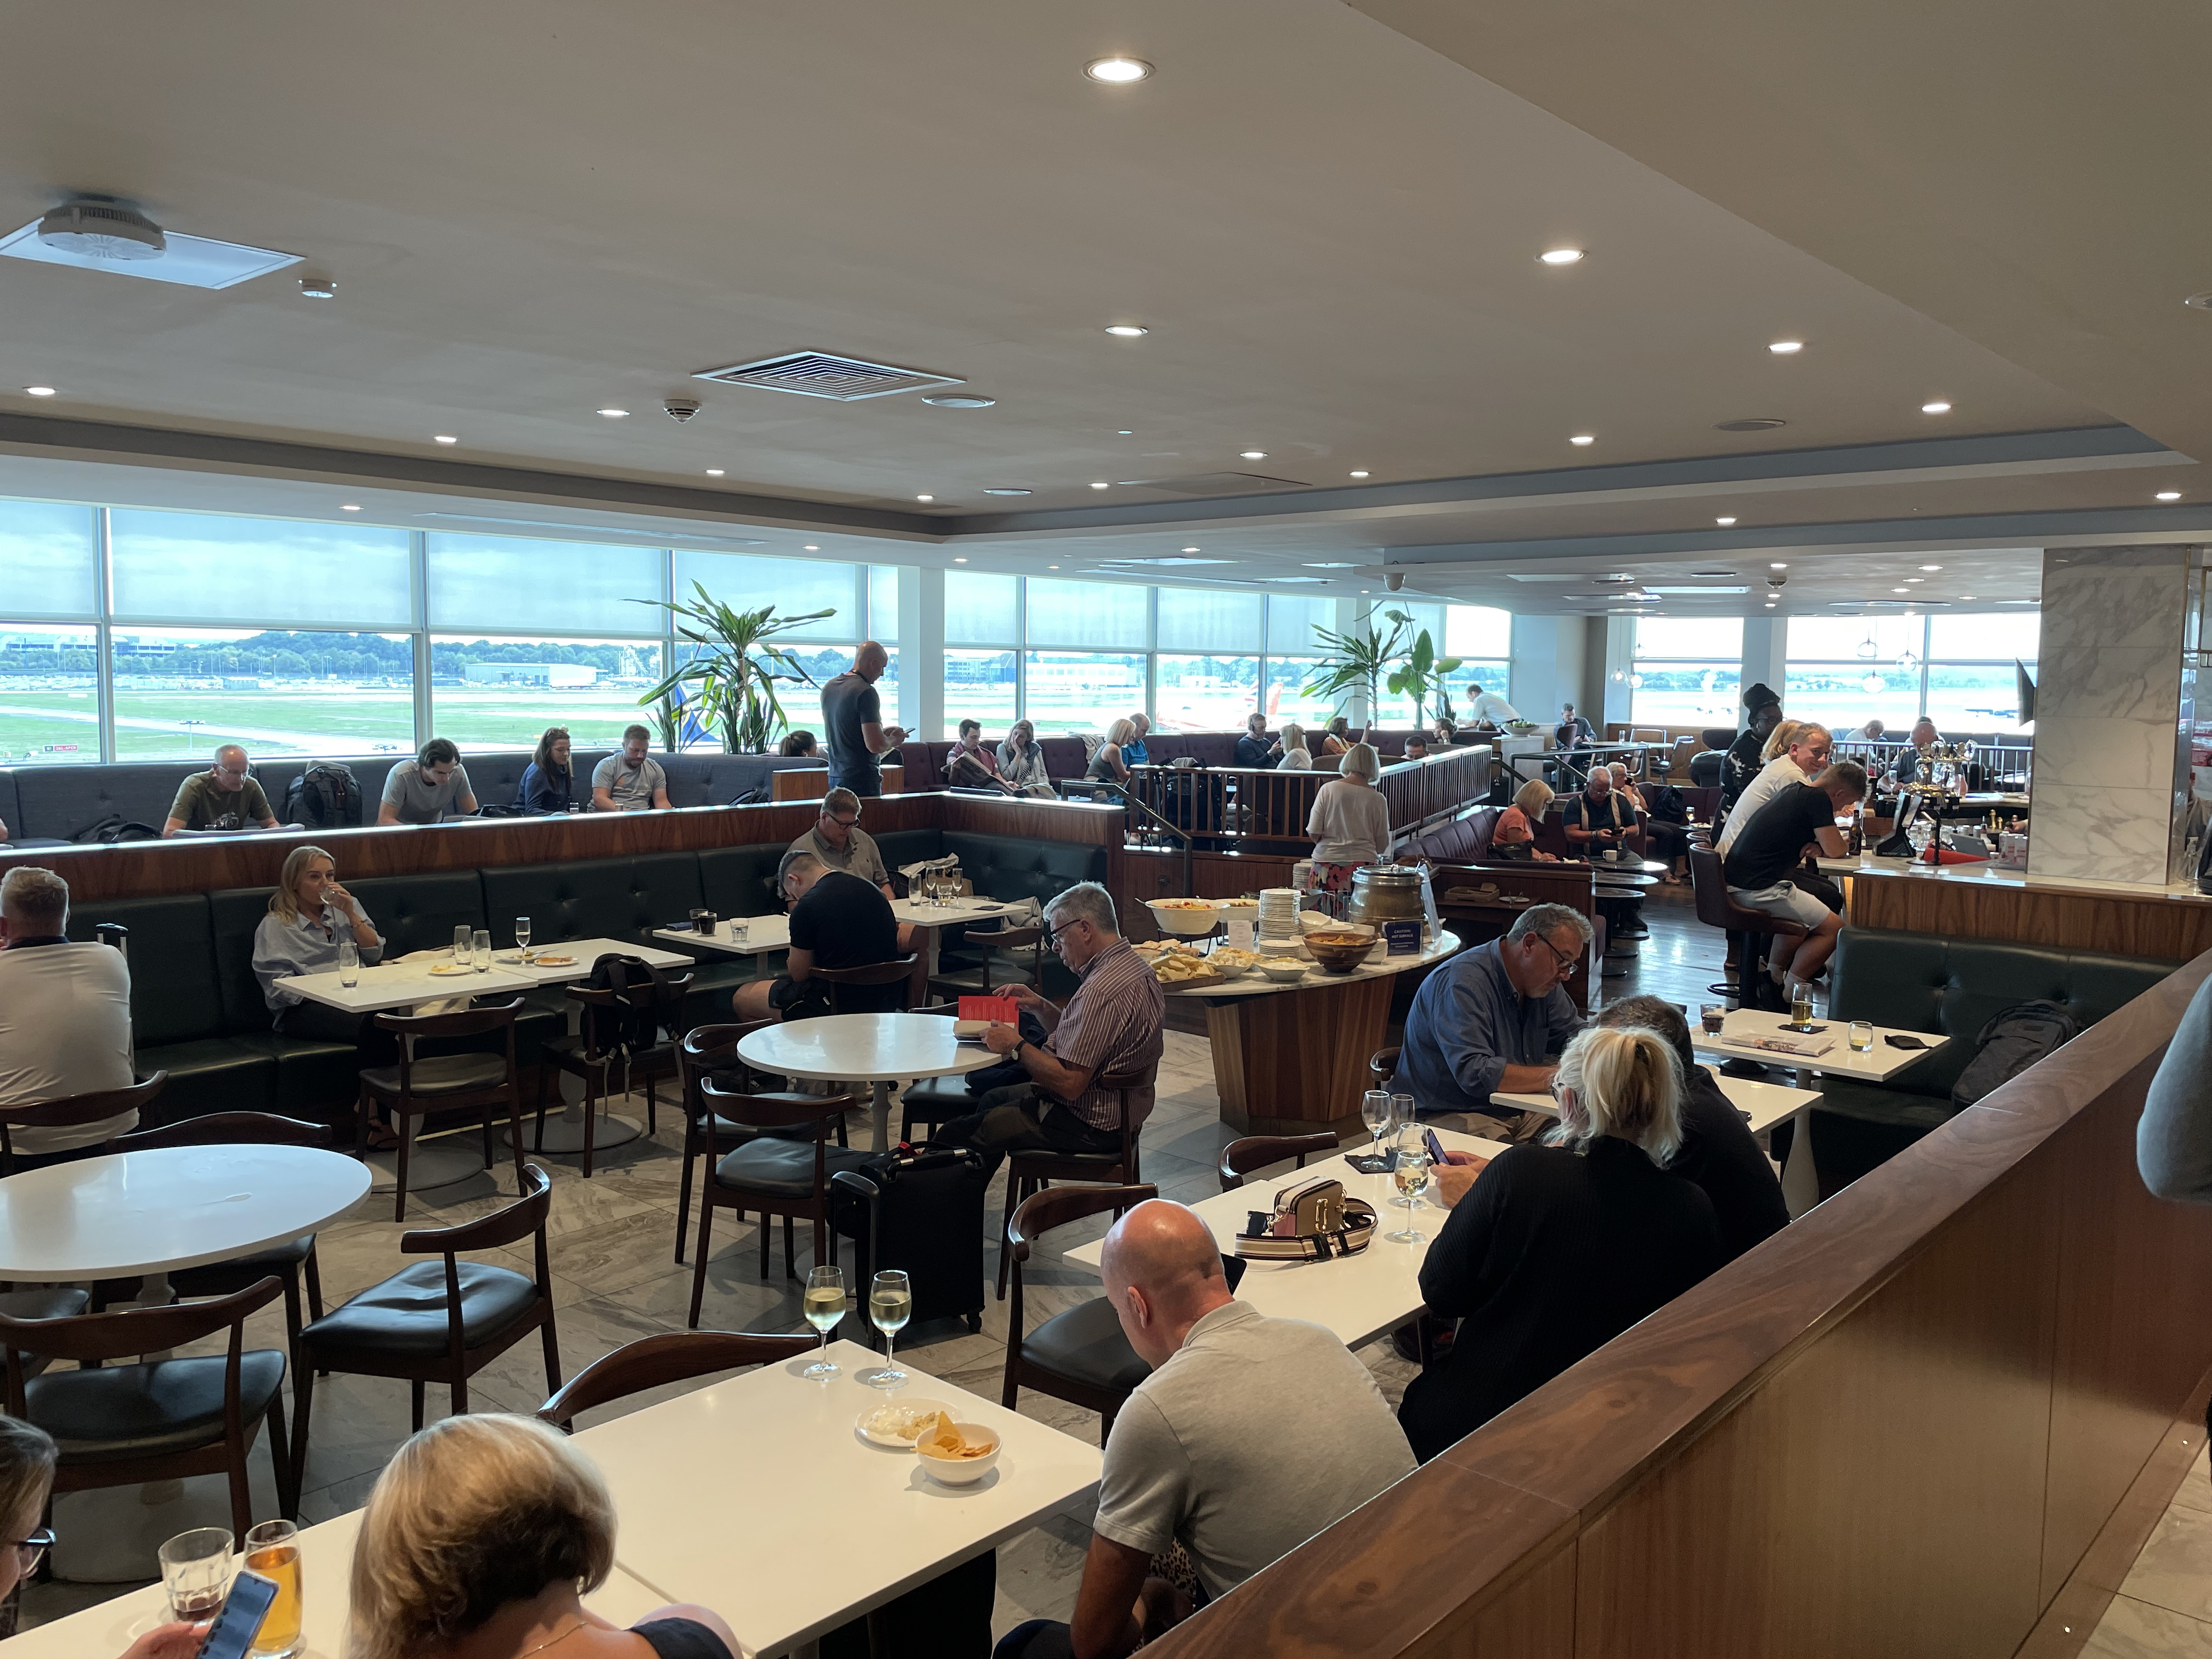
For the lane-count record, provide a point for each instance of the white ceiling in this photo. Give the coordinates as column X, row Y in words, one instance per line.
column 533, row 211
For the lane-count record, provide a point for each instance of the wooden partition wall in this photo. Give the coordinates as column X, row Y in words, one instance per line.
column 2142, row 923
column 1935, row 1416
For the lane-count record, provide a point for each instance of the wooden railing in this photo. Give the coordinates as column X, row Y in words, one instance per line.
column 1224, row 809
column 1937, row 1415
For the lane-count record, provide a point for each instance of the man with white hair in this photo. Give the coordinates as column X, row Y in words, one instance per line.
column 1112, row 1025
column 1495, row 1018
column 1205, row 1454
column 224, row 797
column 852, row 719
column 65, row 1019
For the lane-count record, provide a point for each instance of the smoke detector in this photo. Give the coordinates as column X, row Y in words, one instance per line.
column 96, row 229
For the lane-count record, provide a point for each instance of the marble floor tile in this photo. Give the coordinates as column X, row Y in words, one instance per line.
column 2196, row 1490
column 2137, row 1630
column 2174, row 1571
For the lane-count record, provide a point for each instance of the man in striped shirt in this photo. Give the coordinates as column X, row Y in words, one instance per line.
column 1111, row 1024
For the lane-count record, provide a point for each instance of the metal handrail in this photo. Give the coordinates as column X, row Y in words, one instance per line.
column 1091, row 788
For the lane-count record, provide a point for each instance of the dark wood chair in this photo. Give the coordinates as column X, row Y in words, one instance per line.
column 596, row 1049
column 1033, row 1168
column 156, row 1419
column 897, row 971
column 414, row 1087
column 1382, row 1066
column 74, row 1112
column 291, row 1263
column 1240, row 1158
column 713, row 1050
column 930, row 1101
column 1079, row 1356
column 440, row 1321
column 670, row 1356
column 990, row 943
column 786, row 1175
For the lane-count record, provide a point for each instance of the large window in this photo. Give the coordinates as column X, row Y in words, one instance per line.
column 180, row 691
column 1081, row 691
column 1687, row 671
column 1482, row 638
column 1956, row 670
column 979, row 685
column 192, row 567
column 49, row 696
column 503, row 692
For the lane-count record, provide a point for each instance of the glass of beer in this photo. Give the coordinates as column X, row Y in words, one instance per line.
column 1800, row 1007
column 195, row 1572
column 272, row 1549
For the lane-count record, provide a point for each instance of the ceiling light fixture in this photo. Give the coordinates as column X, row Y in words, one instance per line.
column 812, row 547
column 1938, row 407
column 1251, row 455
column 1900, row 590
column 1052, row 567
column 1931, row 567
column 1331, row 564
column 960, row 400
column 1124, row 432
column 957, row 559
column 1965, row 596
column 1584, row 438
column 1777, row 565
column 1785, row 348
column 1190, row 550
column 444, row 438
column 1005, row 492
column 924, row 498
column 1359, row 475
column 714, row 471
column 319, row 287
column 1724, row 521
column 350, row 506
column 37, row 392
column 615, row 414
column 1560, row 256
column 2169, row 495
column 1100, row 484
column 1916, row 579
column 1127, row 330
column 1117, row 70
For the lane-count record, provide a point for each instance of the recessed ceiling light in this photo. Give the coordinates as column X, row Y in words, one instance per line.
column 1253, row 454
column 1777, row 565
column 1118, row 71
column 1127, row 330
column 1331, row 564
column 444, row 438
column 1005, row 492
column 615, row 414
column 1560, row 256
column 1125, row 433
column 1052, row 567
column 1583, row 438
column 1724, row 521
column 1965, row 596
column 1099, row 484
column 1938, row 407
column 1712, row 572
column 2169, row 495
column 959, row 401
column 956, row 559
column 813, row 547
column 1900, row 590
column 1916, row 579
column 1931, row 567
column 1190, row 550
column 1785, row 348
column 37, row 392
column 1359, row 475
column 350, row 506
column 924, row 498
column 714, row 471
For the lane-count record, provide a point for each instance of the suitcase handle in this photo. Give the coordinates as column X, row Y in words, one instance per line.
column 863, row 1187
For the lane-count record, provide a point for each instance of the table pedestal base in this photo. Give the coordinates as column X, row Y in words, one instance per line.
column 565, row 1134
column 1295, row 1063
column 440, row 1165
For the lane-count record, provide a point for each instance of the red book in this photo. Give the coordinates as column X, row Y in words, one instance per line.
column 1001, row 1010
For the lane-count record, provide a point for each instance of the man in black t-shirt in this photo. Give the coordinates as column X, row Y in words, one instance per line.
column 852, row 715
column 1744, row 762
column 1768, row 847
column 837, row 920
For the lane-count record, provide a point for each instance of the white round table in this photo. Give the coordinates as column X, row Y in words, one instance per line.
column 133, row 1213
column 877, row 1048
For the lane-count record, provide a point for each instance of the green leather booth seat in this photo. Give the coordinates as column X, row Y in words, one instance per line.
column 197, row 1012
column 1918, row 982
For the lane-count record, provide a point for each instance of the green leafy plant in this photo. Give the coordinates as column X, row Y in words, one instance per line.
column 1421, row 675
column 1358, row 663
column 665, row 717
column 732, row 675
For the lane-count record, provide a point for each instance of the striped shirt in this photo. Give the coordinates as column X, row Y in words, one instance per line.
column 1112, row 1024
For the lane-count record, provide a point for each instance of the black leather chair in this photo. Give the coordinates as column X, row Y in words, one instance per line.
column 1240, row 1158
column 1079, row 1356
column 594, row 1051
column 157, row 1419
column 1717, row 909
column 419, row 1086
column 773, row 1173
column 711, row 1050
column 440, row 1321
column 1032, row 1168
column 852, row 987
column 75, row 1112
column 670, row 1356
column 986, row 946
column 930, row 1101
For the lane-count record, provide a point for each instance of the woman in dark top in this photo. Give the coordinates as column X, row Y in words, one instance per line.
column 1556, row 1250
column 798, row 745
column 482, row 1538
column 548, row 784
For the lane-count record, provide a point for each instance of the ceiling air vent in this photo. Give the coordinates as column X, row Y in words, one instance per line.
column 819, row 374
column 1214, row 483
column 1753, row 423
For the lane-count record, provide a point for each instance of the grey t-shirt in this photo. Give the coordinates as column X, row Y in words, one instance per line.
column 1256, row 1436
column 859, row 857
column 849, row 702
column 632, row 791
column 420, row 800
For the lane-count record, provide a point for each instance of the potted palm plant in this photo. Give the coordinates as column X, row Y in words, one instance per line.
column 1357, row 664
column 729, row 683
column 1421, row 675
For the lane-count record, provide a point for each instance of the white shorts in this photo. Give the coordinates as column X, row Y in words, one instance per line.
column 1783, row 899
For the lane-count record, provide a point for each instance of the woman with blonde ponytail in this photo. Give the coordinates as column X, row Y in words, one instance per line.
column 1555, row 1249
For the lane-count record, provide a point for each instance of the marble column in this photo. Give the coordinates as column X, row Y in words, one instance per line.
column 2108, row 697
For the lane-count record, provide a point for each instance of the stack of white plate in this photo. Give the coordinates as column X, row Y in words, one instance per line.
column 1279, row 915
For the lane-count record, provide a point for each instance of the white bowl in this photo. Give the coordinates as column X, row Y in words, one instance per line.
column 1286, row 971
column 1184, row 922
column 962, row 1471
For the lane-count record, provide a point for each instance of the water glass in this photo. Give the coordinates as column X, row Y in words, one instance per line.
column 1411, row 1174
column 481, row 950
column 890, row 1304
column 465, row 943
column 195, row 1572
column 1862, row 1035
column 348, row 963
column 1402, row 1111
column 522, row 936
column 272, row 1549
column 1375, row 1113
column 825, row 1310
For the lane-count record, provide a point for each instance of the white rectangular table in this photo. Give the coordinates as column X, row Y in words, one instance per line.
column 852, row 1524
column 1765, row 1107
column 326, row 1566
column 393, row 985
column 1359, row 1297
column 773, row 933
column 1878, row 1065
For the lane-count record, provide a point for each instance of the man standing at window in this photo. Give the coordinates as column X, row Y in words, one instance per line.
column 853, row 715
column 224, row 797
column 429, row 789
column 632, row 781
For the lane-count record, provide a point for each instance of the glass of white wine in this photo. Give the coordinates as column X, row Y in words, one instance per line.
column 1411, row 1175
column 890, row 1304
column 825, row 1310
column 522, row 936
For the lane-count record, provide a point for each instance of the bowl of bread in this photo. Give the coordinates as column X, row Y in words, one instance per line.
column 1185, row 918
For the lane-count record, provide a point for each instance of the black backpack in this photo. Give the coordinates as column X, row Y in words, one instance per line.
column 629, row 1029
column 112, row 829
column 2014, row 1040
column 326, row 796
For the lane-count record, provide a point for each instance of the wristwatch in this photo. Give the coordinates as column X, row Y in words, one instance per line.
column 1015, row 1053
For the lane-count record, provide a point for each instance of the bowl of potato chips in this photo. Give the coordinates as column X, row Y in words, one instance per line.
column 958, row 1454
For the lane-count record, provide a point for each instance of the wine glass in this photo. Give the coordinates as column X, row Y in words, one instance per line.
column 1375, row 1113
column 825, row 1310
column 890, row 1304
column 1920, row 832
column 522, row 936
column 1411, row 1175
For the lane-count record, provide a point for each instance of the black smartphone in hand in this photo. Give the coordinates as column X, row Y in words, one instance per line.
column 244, row 1612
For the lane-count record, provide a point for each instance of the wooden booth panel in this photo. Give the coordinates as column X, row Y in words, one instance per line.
column 2168, row 927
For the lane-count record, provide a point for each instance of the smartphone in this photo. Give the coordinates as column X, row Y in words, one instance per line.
column 240, row 1622
column 1436, row 1147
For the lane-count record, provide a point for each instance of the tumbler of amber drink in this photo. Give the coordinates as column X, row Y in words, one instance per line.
column 272, row 1549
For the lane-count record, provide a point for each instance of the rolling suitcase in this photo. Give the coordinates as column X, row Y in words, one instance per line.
column 921, row 1212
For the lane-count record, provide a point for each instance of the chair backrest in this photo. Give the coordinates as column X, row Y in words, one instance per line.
column 899, row 971
column 1382, row 1066
column 1056, row 1206
column 227, row 1129
column 1009, row 938
column 1121, row 1083
column 461, row 1022
column 762, row 1113
column 73, row 1110
column 1240, row 1158
column 672, row 1356
column 520, row 1219
column 90, row 1338
column 1717, row 909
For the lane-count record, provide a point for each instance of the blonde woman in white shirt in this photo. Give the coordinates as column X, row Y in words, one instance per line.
column 1351, row 823
column 1295, row 757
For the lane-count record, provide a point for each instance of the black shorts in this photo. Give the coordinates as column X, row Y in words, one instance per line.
column 796, row 999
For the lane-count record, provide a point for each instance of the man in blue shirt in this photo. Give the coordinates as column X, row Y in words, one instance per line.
column 1135, row 754
column 1493, row 1020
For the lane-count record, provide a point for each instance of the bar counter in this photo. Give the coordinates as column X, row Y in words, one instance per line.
column 1982, row 901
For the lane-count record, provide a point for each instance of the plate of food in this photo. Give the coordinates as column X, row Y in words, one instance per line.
column 549, row 959
column 1231, row 960
column 1176, row 970
column 450, row 969
column 899, row 1423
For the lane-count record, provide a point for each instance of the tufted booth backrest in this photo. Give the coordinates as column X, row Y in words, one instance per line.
column 595, row 898
column 1010, row 867
column 10, row 813
column 1928, row 982
column 175, row 994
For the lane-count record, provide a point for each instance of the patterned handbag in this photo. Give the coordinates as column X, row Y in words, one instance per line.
column 1311, row 1221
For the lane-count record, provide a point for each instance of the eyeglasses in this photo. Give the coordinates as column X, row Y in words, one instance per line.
column 1055, row 937
column 29, row 1551
column 842, row 823
column 1566, row 962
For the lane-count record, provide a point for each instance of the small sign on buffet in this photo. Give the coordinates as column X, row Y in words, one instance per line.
column 1402, row 937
